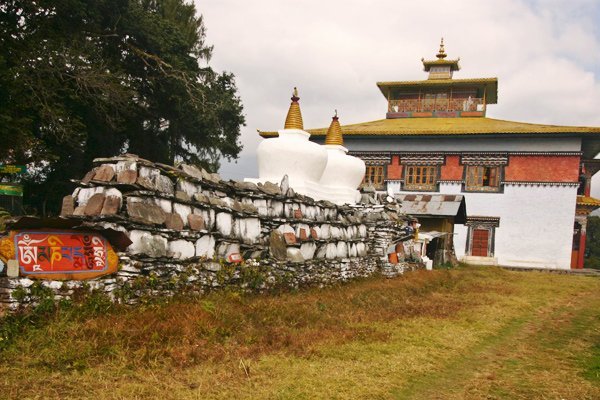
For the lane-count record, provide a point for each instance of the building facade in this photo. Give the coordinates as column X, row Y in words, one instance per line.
column 526, row 185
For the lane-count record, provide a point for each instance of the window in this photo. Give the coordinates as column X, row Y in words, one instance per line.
column 482, row 179
column 374, row 176
column 420, row 177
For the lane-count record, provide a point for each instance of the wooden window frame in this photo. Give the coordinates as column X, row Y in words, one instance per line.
column 482, row 223
column 374, row 176
column 483, row 178
column 421, row 177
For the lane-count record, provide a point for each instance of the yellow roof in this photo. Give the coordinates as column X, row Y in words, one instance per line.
column 491, row 85
column 447, row 126
column 588, row 201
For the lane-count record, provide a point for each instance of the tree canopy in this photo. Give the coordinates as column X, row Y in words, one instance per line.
column 81, row 79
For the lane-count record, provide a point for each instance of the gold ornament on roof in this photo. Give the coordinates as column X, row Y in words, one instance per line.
column 294, row 116
column 442, row 53
column 334, row 133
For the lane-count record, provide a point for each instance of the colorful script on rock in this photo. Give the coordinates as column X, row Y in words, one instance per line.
column 58, row 254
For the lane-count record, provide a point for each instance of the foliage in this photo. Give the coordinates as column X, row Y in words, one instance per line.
column 81, row 79
column 4, row 215
column 592, row 243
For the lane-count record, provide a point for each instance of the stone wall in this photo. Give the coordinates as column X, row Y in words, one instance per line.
column 192, row 231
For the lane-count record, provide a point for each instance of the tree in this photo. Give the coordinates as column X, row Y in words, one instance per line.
column 81, row 79
column 592, row 244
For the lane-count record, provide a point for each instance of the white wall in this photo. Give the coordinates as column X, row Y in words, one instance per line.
column 536, row 223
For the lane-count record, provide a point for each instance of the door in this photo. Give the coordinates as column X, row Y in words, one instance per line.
column 480, row 242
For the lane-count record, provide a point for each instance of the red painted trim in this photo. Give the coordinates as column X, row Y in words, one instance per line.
column 542, row 168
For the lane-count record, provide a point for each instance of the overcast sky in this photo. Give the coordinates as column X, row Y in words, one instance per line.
column 545, row 53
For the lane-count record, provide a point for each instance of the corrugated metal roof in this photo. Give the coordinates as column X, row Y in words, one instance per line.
column 435, row 205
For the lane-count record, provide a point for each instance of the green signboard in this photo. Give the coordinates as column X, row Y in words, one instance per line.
column 11, row 190
column 12, row 169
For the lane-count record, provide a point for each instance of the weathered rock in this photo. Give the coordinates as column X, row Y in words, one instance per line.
column 270, row 188
column 201, row 198
column 285, row 184
column 191, row 170
column 196, row 222
column 224, row 223
column 298, row 213
column 294, row 255
column 127, row 176
column 205, row 247
column 112, row 205
column 143, row 242
column 181, row 249
column 105, row 173
column 173, row 221
column 308, row 250
column 249, row 208
column 94, row 204
column 79, row 211
column 146, row 212
column 277, row 245
column 183, row 196
column 88, row 177
column 68, row 206
column 290, row 237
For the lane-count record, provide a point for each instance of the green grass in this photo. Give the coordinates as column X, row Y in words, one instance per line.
column 468, row 333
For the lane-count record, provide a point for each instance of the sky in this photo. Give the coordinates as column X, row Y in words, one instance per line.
column 545, row 54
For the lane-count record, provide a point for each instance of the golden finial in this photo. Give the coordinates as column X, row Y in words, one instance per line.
column 294, row 116
column 334, row 133
column 441, row 54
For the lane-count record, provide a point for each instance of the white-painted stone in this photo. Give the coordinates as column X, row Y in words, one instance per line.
column 352, row 250
column 181, row 249
column 362, row 231
column 276, row 209
column 54, row 285
column 325, row 231
column 125, row 165
column 342, row 250
column 302, row 226
column 188, row 187
column 361, row 249
column 183, row 211
column 308, row 250
column 85, row 193
column 336, row 232
column 331, row 251
column 205, row 247
column 164, row 204
column 261, row 206
column 294, row 255
column 225, row 249
column 224, row 223
column 143, row 242
column 286, row 228
column 250, row 229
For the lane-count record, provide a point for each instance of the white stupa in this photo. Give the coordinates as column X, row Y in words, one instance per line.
column 292, row 154
column 343, row 173
column 321, row 172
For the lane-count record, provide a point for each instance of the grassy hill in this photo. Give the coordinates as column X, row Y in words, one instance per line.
column 468, row 333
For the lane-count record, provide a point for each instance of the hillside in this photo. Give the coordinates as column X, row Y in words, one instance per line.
column 465, row 333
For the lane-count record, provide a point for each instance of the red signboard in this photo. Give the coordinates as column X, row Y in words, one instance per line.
column 59, row 254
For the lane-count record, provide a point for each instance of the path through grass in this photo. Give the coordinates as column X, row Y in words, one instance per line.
column 469, row 333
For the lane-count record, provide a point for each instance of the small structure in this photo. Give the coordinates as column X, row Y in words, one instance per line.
column 437, row 215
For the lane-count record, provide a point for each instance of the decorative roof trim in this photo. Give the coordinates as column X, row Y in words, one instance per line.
column 483, row 220
column 493, row 159
column 435, row 82
column 422, row 159
column 537, row 183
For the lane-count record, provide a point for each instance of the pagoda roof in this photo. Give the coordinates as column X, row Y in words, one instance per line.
column 427, row 64
column 449, row 127
column 588, row 201
column 490, row 84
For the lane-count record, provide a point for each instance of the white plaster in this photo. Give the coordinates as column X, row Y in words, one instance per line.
column 352, row 250
column 250, row 229
column 164, row 204
column 325, row 231
column 188, row 187
column 308, row 250
column 224, row 223
column 205, row 247
column 183, row 211
column 342, row 250
column 331, row 251
column 181, row 249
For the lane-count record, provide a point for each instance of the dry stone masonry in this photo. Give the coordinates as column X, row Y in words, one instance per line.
column 192, row 231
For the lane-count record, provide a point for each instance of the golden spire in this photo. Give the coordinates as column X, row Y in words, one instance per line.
column 441, row 54
column 294, row 116
column 334, row 133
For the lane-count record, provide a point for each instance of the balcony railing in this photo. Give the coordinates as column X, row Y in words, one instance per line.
column 426, row 105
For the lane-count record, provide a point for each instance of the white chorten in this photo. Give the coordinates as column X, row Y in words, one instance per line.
column 321, row 172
